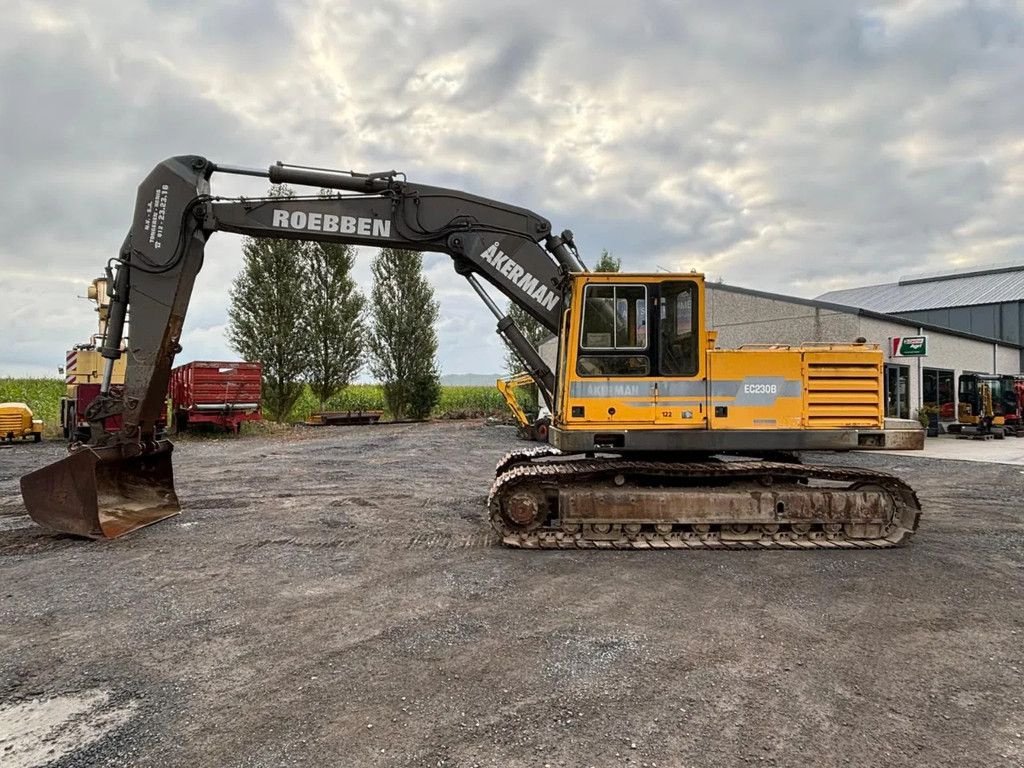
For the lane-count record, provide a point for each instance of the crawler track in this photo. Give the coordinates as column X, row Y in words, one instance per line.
column 524, row 456
column 615, row 503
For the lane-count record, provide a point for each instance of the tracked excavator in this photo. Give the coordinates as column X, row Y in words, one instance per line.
column 658, row 439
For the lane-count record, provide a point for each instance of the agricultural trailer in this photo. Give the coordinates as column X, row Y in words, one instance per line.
column 224, row 394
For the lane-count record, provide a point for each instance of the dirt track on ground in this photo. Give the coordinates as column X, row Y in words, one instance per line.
column 335, row 598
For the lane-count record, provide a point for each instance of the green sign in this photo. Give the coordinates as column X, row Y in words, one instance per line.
column 908, row 346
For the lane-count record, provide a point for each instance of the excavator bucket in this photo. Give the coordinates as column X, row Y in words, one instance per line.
column 99, row 493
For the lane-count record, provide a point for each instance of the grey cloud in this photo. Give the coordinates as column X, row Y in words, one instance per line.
column 798, row 146
column 499, row 73
column 79, row 139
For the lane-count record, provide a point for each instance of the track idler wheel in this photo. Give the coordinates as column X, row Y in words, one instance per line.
column 524, row 511
column 102, row 494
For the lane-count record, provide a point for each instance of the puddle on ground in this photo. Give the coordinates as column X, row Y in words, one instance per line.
column 41, row 731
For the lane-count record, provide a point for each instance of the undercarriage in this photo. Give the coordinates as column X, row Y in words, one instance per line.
column 542, row 498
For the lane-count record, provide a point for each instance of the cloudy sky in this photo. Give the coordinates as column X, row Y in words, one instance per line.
column 794, row 147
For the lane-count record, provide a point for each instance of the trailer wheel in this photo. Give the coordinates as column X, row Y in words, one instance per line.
column 37, row 437
column 67, row 417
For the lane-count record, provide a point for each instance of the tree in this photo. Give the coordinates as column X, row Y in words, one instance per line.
column 334, row 309
column 534, row 332
column 266, row 319
column 402, row 340
column 607, row 262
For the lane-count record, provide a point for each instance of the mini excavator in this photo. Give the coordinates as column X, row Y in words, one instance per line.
column 657, row 439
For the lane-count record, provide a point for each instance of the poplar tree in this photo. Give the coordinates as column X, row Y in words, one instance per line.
column 607, row 262
column 334, row 314
column 534, row 332
column 267, row 317
column 402, row 339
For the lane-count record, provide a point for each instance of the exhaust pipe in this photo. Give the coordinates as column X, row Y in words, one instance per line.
column 101, row 494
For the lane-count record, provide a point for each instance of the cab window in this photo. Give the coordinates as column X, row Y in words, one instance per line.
column 678, row 326
column 614, row 325
column 613, row 365
column 614, row 317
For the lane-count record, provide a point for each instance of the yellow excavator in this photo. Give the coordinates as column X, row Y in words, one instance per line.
column 658, row 439
column 529, row 425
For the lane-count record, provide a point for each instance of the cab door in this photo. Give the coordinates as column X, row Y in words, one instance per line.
column 612, row 379
column 681, row 388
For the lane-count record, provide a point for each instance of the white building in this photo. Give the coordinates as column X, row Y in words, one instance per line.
column 745, row 316
column 986, row 302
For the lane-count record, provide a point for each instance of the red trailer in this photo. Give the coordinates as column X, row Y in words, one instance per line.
column 211, row 392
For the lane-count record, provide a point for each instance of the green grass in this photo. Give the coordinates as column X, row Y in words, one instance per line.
column 357, row 397
column 41, row 395
column 456, row 402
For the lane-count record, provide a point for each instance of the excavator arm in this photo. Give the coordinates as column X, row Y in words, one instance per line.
column 119, row 482
column 510, row 247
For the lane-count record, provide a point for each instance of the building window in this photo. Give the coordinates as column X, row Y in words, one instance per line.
column 897, row 391
column 939, row 391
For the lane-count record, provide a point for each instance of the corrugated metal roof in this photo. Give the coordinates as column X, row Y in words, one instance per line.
column 862, row 312
column 990, row 287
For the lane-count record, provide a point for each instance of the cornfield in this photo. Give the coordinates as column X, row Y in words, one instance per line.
column 41, row 395
column 455, row 403
column 470, row 402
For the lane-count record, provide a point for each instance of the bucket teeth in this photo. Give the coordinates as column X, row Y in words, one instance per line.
column 101, row 494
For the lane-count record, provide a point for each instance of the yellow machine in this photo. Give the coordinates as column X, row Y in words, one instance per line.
column 84, row 367
column 988, row 407
column 527, row 428
column 669, row 391
column 657, row 438
column 16, row 423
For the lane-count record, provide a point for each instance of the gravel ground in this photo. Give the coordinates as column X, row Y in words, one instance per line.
column 334, row 597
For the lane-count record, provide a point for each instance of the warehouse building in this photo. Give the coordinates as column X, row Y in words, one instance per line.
column 746, row 316
column 984, row 302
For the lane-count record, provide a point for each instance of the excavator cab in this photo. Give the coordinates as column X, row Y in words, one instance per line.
column 634, row 353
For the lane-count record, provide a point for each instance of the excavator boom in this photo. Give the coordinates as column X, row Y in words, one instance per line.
column 119, row 482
